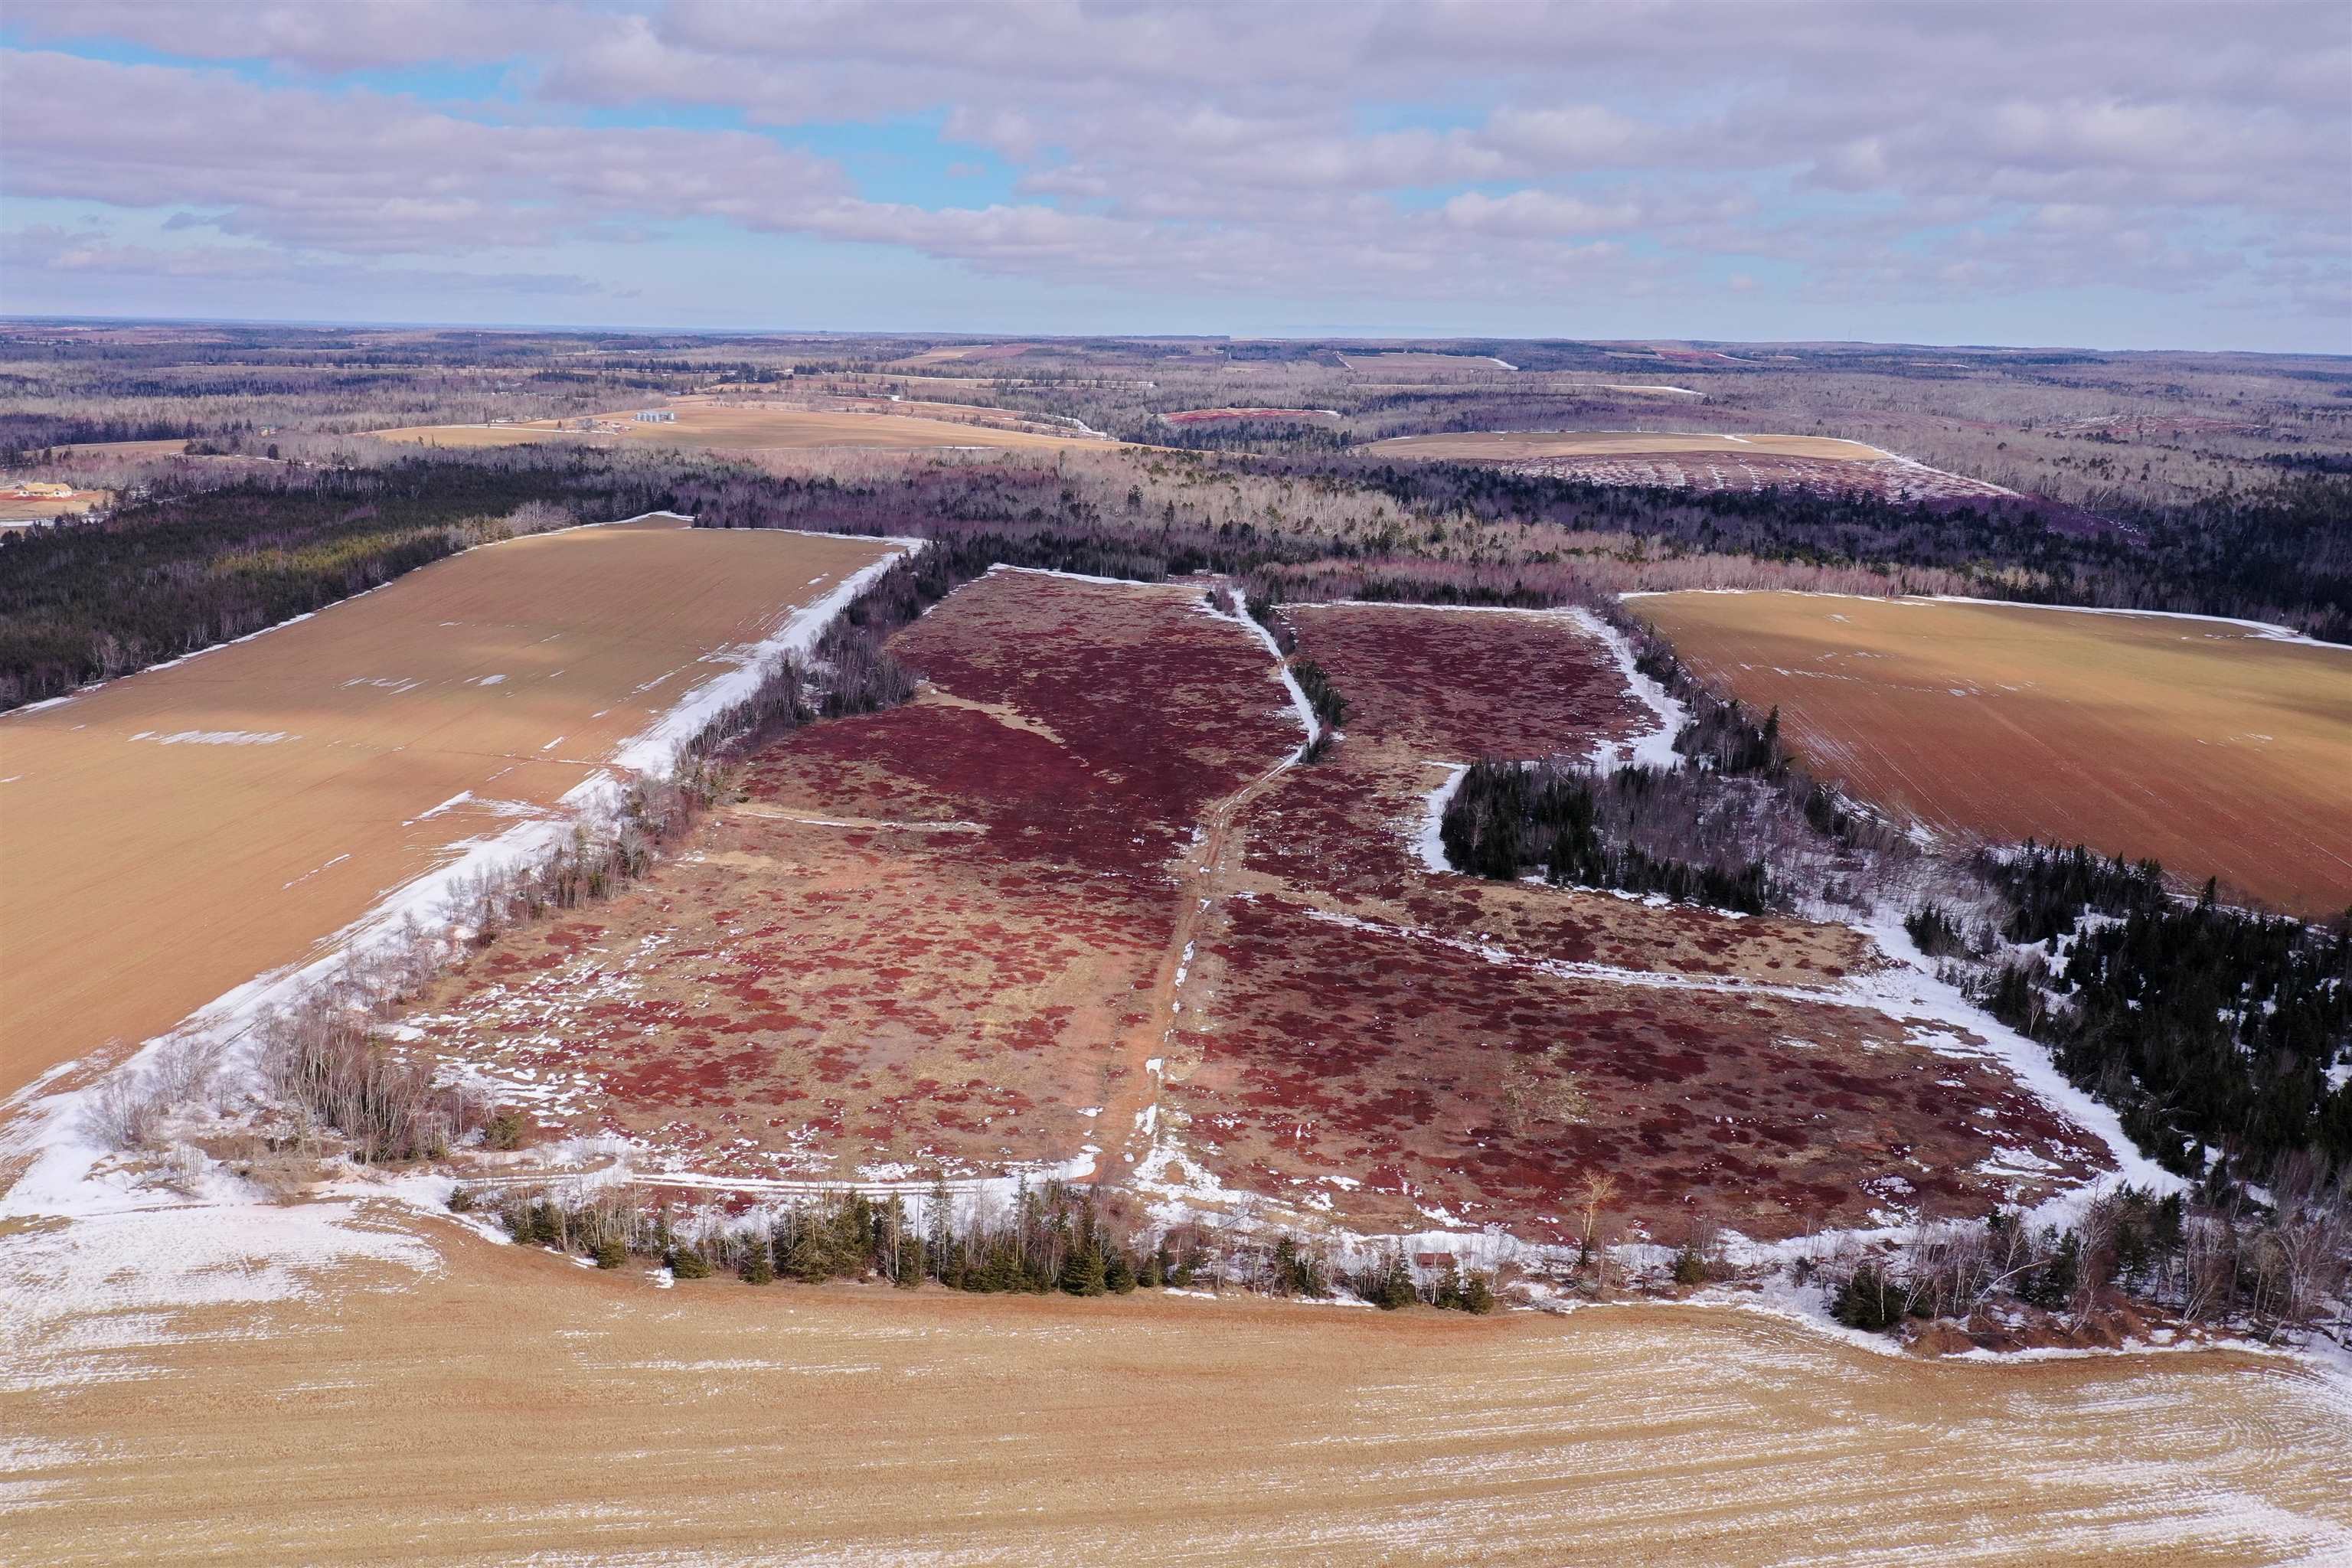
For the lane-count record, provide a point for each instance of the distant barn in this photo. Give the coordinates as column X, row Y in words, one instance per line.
column 657, row 417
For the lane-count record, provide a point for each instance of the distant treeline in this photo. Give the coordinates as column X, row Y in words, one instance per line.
column 22, row 435
column 88, row 601
column 2281, row 552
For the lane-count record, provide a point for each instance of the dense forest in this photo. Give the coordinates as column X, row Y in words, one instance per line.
column 1584, row 828
column 2209, row 1027
column 2278, row 552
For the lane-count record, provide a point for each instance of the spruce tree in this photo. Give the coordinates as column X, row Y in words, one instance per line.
column 1477, row 1295
column 1083, row 1273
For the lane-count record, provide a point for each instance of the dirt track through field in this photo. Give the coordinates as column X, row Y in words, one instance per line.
column 171, row 835
column 1206, row 876
column 2206, row 745
column 507, row 1407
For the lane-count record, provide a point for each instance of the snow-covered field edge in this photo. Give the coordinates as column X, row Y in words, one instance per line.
column 2264, row 631
column 63, row 1171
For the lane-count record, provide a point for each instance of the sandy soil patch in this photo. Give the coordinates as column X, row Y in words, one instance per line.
column 171, row 835
column 2209, row 746
column 505, row 1406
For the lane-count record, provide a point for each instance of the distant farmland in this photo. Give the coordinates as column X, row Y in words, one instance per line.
column 217, row 818
column 1421, row 360
column 763, row 427
column 1701, row 460
column 2209, row 746
column 1523, row 445
column 22, row 509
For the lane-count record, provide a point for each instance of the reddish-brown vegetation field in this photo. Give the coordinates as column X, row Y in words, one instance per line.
column 924, row 935
column 1358, row 1027
column 1070, row 905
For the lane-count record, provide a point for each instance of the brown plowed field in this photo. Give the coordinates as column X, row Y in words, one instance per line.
column 761, row 427
column 1353, row 1020
column 2208, row 746
column 927, row 936
column 505, row 1408
column 47, row 509
column 171, row 835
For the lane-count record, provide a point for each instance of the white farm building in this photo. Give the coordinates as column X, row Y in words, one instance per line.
column 656, row 417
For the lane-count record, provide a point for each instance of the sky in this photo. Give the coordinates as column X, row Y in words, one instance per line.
column 2159, row 174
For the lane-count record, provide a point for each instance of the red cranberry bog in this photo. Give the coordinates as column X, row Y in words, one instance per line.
column 924, row 939
column 1083, row 909
column 1369, row 1036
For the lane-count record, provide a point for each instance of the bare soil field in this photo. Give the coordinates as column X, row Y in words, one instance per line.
column 458, row 1402
column 968, row 355
column 21, row 509
column 925, row 939
column 1525, row 445
column 756, row 426
column 2209, row 746
column 171, row 835
column 174, row 447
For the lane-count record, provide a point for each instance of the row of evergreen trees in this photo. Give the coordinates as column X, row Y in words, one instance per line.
column 2206, row 1025
column 1581, row 828
column 1051, row 1238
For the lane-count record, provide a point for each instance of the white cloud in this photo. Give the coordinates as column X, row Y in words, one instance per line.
column 1498, row 148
